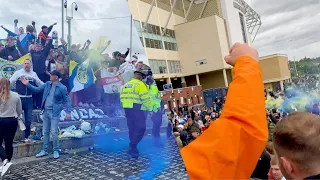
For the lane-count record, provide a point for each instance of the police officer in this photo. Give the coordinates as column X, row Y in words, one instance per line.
column 156, row 98
column 135, row 99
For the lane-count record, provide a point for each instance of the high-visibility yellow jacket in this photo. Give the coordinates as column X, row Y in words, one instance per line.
column 136, row 92
column 156, row 98
column 231, row 147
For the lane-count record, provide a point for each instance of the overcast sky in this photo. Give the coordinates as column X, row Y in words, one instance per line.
column 46, row 12
column 288, row 26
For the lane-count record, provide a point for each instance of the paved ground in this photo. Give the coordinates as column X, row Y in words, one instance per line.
column 109, row 161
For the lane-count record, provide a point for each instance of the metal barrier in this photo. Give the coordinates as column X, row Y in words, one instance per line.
column 210, row 95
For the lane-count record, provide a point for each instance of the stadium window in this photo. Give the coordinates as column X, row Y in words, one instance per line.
column 162, row 29
column 154, row 29
column 172, row 33
column 171, row 70
column 156, row 44
column 177, row 66
column 149, row 28
column 165, row 45
column 158, row 30
column 174, row 45
column 168, row 33
column 161, row 46
column 152, row 43
column 162, row 70
column 147, row 42
column 243, row 27
column 153, row 66
column 170, row 47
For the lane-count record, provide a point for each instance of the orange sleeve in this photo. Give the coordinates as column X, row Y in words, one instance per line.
column 231, row 146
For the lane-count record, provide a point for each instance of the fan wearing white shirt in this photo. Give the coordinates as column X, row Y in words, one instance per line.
column 24, row 93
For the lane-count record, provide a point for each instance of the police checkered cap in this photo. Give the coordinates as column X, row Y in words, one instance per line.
column 141, row 72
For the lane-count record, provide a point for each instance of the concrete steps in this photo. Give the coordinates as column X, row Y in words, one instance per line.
column 22, row 150
column 119, row 123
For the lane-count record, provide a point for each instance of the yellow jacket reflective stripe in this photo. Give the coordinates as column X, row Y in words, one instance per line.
column 136, row 92
column 154, row 92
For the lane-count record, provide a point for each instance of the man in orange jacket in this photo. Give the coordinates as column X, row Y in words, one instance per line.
column 231, row 147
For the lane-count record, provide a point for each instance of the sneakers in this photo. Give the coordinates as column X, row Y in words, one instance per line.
column 56, row 155
column 41, row 154
column 44, row 153
column 6, row 167
column 27, row 140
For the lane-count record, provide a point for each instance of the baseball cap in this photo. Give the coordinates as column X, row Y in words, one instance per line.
column 55, row 73
column 43, row 27
column 116, row 53
column 180, row 126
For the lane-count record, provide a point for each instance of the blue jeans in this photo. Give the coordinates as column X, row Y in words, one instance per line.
column 27, row 106
column 50, row 123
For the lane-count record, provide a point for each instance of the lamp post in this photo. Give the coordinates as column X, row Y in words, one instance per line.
column 69, row 18
column 62, row 19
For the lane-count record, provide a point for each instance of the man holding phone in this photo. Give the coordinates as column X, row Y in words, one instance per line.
column 54, row 95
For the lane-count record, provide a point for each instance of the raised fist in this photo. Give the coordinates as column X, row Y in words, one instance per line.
column 238, row 50
column 33, row 23
column 16, row 21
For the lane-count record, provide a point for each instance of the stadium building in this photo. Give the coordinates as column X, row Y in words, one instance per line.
column 186, row 41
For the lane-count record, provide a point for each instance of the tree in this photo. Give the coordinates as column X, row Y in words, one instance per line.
column 305, row 66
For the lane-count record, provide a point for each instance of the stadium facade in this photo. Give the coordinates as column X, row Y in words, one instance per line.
column 186, row 40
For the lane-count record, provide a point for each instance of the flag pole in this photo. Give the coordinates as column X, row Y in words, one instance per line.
column 131, row 37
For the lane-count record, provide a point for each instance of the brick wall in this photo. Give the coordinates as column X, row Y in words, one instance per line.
column 190, row 95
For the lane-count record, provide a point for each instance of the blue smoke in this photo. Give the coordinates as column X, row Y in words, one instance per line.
column 299, row 100
column 148, row 147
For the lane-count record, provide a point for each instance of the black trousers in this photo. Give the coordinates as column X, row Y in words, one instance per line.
column 38, row 96
column 136, row 122
column 157, row 122
column 8, row 128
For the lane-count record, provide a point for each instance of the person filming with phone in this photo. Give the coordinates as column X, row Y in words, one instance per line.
column 54, row 95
